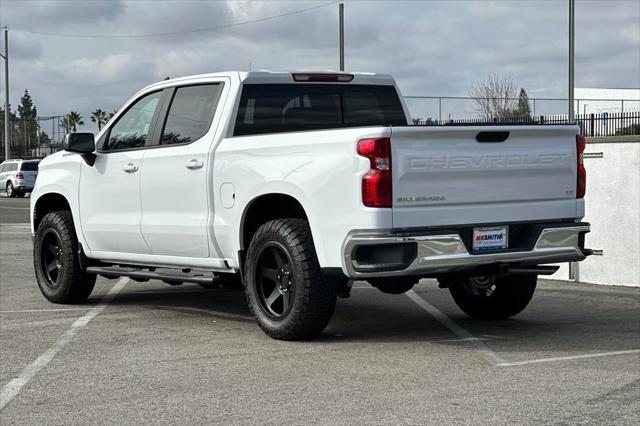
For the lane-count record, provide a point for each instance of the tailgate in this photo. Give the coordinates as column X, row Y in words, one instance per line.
column 29, row 176
column 445, row 176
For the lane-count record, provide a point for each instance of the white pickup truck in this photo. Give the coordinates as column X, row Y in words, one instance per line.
column 293, row 185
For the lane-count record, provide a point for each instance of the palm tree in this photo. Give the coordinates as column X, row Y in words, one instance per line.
column 64, row 123
column 100, row 117
column 111, row 114
column 74, row 119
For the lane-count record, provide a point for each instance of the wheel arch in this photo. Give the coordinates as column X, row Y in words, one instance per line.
column 46, row 203
column 264, row 208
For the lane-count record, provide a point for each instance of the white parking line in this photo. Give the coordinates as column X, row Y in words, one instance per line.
column 44, row 310
column 463, row 334
column 11, row 389
column 568, row 358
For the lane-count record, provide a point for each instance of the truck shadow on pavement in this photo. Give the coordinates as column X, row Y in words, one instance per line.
column 550, row 324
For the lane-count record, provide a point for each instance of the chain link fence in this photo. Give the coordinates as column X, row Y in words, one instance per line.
column 31, row 141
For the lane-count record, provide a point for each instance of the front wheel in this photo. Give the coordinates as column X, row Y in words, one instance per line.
column 287, row 293
column 492, row 297
column 55, row 258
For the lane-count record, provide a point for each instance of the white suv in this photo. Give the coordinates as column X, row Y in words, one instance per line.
column 17, row 177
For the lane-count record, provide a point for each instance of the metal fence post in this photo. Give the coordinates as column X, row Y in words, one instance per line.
column 534, row 107
column 592, row 121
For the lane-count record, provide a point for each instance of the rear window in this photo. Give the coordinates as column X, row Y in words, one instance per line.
column 30, row 166
column 276, row 108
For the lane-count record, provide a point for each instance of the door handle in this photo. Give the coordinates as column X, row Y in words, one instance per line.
column 130, row 168
column 194, row 164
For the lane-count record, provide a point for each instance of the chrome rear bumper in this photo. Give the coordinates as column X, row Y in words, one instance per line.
column 447, row 253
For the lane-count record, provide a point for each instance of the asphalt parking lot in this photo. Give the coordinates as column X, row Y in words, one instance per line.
column 150, row 353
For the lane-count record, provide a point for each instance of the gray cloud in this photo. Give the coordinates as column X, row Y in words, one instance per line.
column 432, row 47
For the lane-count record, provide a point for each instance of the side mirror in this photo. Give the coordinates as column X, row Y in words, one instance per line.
column 81, row 143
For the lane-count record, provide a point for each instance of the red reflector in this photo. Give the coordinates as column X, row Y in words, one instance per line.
column 581, row 184
column 19, row 175
column 335, row 78
column 376, row 184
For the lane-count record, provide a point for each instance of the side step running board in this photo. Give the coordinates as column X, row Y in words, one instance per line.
column 140, row 274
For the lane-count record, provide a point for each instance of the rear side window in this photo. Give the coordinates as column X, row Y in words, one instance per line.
column 190, row 114
column 29, row 166
column 10, row 167
column 275, row 108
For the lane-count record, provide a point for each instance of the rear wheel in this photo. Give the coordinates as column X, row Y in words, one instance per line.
column 10, row 191
column 287, row 293
column 492, row 297
column 395, row 285
column 56, row 260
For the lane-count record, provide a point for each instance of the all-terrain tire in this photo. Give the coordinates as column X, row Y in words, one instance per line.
column 500, row 298
column 310, row 295
column 10, row 191
column 56, row 263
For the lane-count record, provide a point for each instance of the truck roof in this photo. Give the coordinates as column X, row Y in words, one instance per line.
column 283, row 77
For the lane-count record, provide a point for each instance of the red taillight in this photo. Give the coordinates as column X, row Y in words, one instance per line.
column 581, row 184
column 19, row 175
column 376, row 184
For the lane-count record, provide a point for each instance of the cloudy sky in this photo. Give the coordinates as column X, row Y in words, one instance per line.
column 81, row 55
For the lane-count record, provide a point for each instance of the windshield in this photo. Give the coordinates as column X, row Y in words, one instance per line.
column 275, row 108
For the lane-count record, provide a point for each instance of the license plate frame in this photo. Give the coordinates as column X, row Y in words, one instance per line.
column 487, row 238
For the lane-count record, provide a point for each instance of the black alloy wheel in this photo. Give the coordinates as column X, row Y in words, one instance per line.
column 491, row 297
column 274, row 280
column 287, row 293
column 56, row 260
column 51, row 259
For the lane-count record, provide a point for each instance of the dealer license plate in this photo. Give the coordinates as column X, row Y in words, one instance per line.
column 490, row 238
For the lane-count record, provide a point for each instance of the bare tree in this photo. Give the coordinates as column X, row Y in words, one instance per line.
column 495, row 98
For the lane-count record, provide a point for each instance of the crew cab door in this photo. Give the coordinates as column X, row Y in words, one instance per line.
column 109, row 193
column 176, row 183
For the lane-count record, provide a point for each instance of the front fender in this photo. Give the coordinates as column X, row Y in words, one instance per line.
column 59, row 174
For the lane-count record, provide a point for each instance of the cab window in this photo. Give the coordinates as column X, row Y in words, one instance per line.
column 132, row 128
column 190, row 114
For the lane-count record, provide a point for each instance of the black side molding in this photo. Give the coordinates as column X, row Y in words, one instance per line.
column 492, row 137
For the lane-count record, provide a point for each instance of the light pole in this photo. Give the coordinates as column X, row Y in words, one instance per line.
column 574, row 269
column 572, row 13
column 7, row 131
column 341, row 13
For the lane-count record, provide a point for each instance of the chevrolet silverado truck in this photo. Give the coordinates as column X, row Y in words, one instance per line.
column 291, row 185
